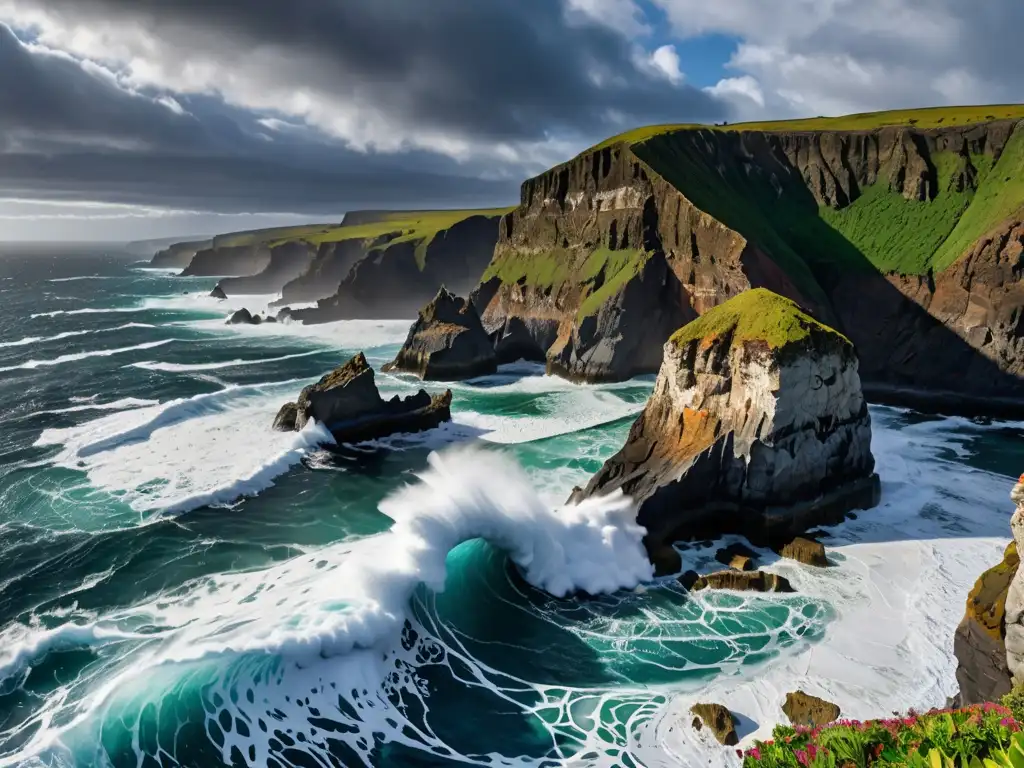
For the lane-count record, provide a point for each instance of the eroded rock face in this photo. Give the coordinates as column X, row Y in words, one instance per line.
column 1014, row 616
column 346, row 401
column 446, row 342
column 757, row 426
column 979, row 642
column 743, row 581
column 229, row 260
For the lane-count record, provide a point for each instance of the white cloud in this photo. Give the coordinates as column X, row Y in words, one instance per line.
column 621, row 15
column 666, row 61
column 744, row 93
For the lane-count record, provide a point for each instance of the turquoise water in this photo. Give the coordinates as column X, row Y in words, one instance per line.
column 180, row 585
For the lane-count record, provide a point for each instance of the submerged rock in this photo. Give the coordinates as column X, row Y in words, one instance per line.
column 803, row 709
column 286, row 417
column 757, row 426
column 737, row 556
column 719, row 720
column 743, row 581
column 447, row 342
column 804, row 549
column 218, row 292
column 346, row 401
column 242, row 317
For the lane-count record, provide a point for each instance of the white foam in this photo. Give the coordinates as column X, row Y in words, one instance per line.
column 185, row 367
column 80, row 277
column 76, row 356
column 70, row 334
column 115, row 405
column 213, row 448
column 87, row 311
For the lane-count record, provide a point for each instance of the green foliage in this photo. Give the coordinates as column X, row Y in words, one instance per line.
column 757, row 314
column 1014, row 701
column 977, row 737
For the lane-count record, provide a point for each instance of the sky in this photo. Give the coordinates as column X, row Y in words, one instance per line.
column 134, row 119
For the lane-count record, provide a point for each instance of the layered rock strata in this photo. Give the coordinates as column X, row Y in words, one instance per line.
column 1014, row 607
column 347, row 403
column 446, row 342
column 757, row 426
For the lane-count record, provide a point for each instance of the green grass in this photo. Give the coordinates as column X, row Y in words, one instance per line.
column 900, row 235
column 419, row 227
column 754, row 315
column 272, row 236
column 599, row 274
column 999, row 196
column 926, row 117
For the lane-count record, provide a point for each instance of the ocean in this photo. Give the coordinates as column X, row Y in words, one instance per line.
column 182, row 586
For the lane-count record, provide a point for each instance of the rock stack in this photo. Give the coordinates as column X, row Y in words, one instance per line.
column 757, row 426
column 446, row 342
column 1014, row 619
column 346, row 401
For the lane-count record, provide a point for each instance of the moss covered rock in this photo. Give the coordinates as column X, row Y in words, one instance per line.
column 719, row 720
column 757, row 426
column 803, row 709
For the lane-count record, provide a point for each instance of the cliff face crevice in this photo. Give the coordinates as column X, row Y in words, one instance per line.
column 871, row 231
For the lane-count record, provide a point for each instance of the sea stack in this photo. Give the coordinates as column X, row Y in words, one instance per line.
column 757, row 426
column 347, row 402
column 446, row 342
column 1014, row 618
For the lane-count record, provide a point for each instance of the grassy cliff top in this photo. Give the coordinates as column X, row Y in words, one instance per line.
column 412, row 225
column 926, row 117
column 755, row 315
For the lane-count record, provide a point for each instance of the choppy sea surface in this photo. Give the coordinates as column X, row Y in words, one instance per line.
column 182, row 586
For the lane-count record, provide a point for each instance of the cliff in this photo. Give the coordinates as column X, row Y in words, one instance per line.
column 407, row 260
column 178, row 255
column 757, row 426
column 906, row 237
column 286, row 262
column 233, row 254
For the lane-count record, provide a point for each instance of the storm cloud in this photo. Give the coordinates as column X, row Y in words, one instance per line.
column 310, row 105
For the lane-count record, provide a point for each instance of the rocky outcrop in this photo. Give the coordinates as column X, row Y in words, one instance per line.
column 346, row 401
column 742, row 581
column 737, row 557
column 243, row 317
column 804, row 549
column 218, row 293
column 718, row 719
column 286, row 418
column 178, row 255
column 287, row 261
column 232, row 260
column 1014, row 607
column 810, row 711
column 980, row 640
column 757, row 426
column 394, row 279
column 446, row 342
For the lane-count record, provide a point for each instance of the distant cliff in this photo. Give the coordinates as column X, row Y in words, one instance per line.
column 398, row 264
column 286, row 261
column 178, row 255
column 908, row 238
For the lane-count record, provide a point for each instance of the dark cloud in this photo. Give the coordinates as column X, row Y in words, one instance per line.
column 513, row 71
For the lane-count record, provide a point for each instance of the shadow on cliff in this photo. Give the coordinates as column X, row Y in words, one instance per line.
column 907, row 356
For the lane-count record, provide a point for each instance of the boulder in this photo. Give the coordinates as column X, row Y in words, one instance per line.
column 804, row 550
column 241, row 317
column 742, row 581
column 666, row 560
column 286, row 418
column 218, row 292
column 803, row 709
column 980, row 639
column 719, row 720
column 346, row 401
column 757, row 426
column 737, row 556
column 447, row 342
